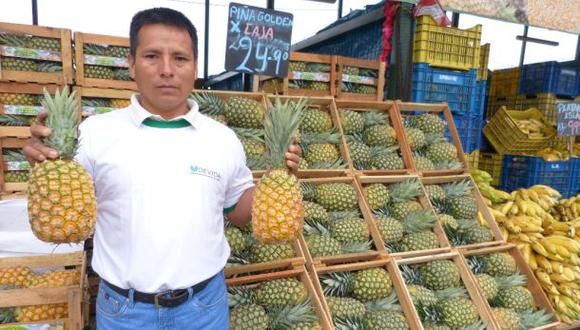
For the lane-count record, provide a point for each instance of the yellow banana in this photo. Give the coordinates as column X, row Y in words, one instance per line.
column 557, row 267
column 539, row 248
column 570, row 244
column 562, row 251
column 512, row 228
column 533, row 195
column 506, row 207
column 545, row 264
column 532, row 262
column 565, row 290
column 524, row 194
column 513, row 210
column 546, row 190
column 560, row 278
column 504, row 232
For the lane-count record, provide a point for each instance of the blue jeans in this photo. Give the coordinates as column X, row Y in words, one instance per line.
column 207, row 309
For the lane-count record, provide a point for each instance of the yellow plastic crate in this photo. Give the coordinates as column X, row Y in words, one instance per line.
column 505, row 136
column 492, row 164
column 545, row 102
column 473, row 159
column 504, row 82
column 496, row 102
column 483, row 61
column 446, row 47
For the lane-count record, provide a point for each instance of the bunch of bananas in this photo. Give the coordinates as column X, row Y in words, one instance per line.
column 550, row 247
column 532, row 127
column 553, row 155
column 567, row 209
column 490, row 194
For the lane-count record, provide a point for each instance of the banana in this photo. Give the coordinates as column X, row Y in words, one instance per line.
column 504, row 233
column 545, row 264
column 546, row 190
column 560, row 278
column 557, row 267
column 506, row 207
column 532, row 262
column 514, row 210
column 539, row 248
column 563, row 252
column 533, row 195
column 512, row 228
column 524, row 194
column 570, row 244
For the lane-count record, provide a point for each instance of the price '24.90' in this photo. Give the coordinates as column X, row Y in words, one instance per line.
column 262, row 56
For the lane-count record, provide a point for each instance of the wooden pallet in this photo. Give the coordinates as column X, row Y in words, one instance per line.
column 481, row 207
column 404, row 298
column 540, row 297
column 379, row 250
column 464, row 272
column 381, row 67
column 438, row 109
column 423, row 200
column 281, row 85
column 90, row 92
column 299, row 273
column 86, row 38
column 72, row 295
column 389, row 109
column 60, row 78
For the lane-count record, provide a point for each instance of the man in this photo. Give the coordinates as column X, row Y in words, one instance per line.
column 164, row 176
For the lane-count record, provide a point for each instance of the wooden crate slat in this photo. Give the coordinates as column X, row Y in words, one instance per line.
column 342, row 61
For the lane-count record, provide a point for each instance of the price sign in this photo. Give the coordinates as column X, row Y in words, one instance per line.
column 568, row 119
column 258, row 40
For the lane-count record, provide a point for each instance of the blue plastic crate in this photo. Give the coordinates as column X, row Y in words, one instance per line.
column 435, row 85
column 563, row 79
column 525, row 171
column 480, row 91
column 469, row 128
column 575, row 177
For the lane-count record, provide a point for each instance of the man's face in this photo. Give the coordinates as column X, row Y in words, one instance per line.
column 164, row 68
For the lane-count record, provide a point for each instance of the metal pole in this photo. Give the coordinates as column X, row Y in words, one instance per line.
column 270, row 4
column 340, row 9
column 34, row 12
column 523, row 52
column 578, row 49
column 206, row 42
column 455, row 20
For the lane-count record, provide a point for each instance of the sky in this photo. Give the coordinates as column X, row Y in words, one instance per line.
column 112, row 17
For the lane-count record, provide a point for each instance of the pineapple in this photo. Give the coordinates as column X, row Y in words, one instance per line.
column 352, row 122
column 297, row 66
column 319, row 85
column 430, row 124
column 337, row 197
column 391, row 230
column 344, row 307
column 61, row 198
column 270, row 252
column 19, row 276
column 210, row 105
column 52, row 44
column 120, row 103
column 248, row 317
column 16, row 120
column 121, row 74
column 16, row 176
column 316, row 121
column 403, row 195
column 440, row 152
column 350, row 231
column 376, row 195
column 46, row 66
column 308, row 191
column 117, row 51
column 321, row 149
column 350, row 70
column 41, row 312
column 382, row 160
column 435, row 192
column 98, row 72
column 321, row 153
column 17, row 64
column 18, row 99
column 281, row 292
column 94, row 49
column 365, row 89
column 487, row 285
column 423, row 163
column 338, row 284
column 380, row 135
column 317, row 67
column 380, row 320
column 236, row 239
column 417, row 227
column 55, row 279
column 459, row 200
column 448, row 222
column 421, row 295
column 507, row 318
column 458, row 312
column 372, row 284
column 360, row 154
column 517, row 298
column 440, row 274
column 315, row 212
column 294, row 317
column 244, row 112
column 415, row 138
column 499, row 264
column 321, row 246
column 278, row 188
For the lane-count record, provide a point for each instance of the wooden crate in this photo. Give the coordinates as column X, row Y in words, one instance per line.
column 481, row 206
column 466, row 279
column 9, row 190
column 423, row 200
column 379, row 82
column 388, row 264
column 80, row 39
column 379, row 250
column 72, row 295
column 89, row 92
column 299, row 273
column 377, row 106
column 540, row 297
column 440, row 110
column 64, row 56
column 325, row 104
column 281, row 85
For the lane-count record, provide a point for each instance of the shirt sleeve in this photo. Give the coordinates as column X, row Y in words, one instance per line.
column 241, row 176
column 82, row 154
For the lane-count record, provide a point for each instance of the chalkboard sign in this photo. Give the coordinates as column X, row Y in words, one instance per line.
column 258, row 40
column 568, row 119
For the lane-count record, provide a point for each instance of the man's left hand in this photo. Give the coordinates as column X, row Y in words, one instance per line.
column 293, row 157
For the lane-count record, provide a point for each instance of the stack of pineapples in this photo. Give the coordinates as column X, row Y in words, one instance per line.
column 100, row 105
column 24, row 277
column 308, row 71
column 320, row 140
column 458, row 213
column 18, row 99
column 431, row 149
column 351, row 87
column 363, row 299
column 102, row 71
column 245, row 116
column 403, row 222
column 499, row 280
column 29, row 42
column 439, row 296
column 276, row 304
column 371, row 140
column 333, row 224
column 20, row 175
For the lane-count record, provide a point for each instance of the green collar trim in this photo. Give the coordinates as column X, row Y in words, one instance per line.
column 181, row 123
column 229, row 209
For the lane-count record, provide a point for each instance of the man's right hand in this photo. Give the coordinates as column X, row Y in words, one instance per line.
column 35, row 150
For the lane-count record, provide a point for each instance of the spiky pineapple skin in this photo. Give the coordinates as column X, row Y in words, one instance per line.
column 248, row 317
column 372, row 284
column 316, row 121
column 421, row 295
column 360, row 154
column 352, row 122
column 517, row 298
column 377, row 195
column 244, row 112
column 380, row 135
column 507, row 318
column 430, row 123
column 439, row 152
column 463, row 207
column 337, row 197
column 17, row 64
column 424, row 240
column 277, row 211
column 321, row 246
column 350, row 230
column 459, row 312
column 440, row 274
column 391, row 230
column 321, row 153
column 344, row 307
column 19, row 275
column 487, row 285
column 271, row 252
column 98, row 72
column 499, row 264
column 380, row 320
column 390, row 161
column 41, row 312
column 61, row 202
column 402, row 210
column 315, row 212
column 18, row 99
column 281, row 292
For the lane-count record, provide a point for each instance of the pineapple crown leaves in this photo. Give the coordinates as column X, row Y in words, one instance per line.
column 208, row 103
column 390, row 303
column 338, row 284
column 239, row 259
column 432, row 138
column 343, row 215
column 13, row 155
column 241, row 295
column 350, row 323
column 417, row 221
column 368, row 72
column 13, row 40
column 381, row 151
column 410, row 121
column 7, row 315
column 451, row 293
column 331, row 137
column 405, row 190
column 308, row 191
column 256, row 163
column 458, row 236
column 317, row 67
column 352, row 138
column 95, row 102
column 449, row 165
column 535, row 319
column 338, row 164
column 122, row 74
column 280, row 127
column 458, row 188
column 64, row 119
column 476, row 264
column 516, row 279
column 255, row 134
column 372, row 118
column 411, row 275
column 312, row 227
column 48, row 67
column 356, row 247
column 478, row 325
column 283, row 318
column 13, row 120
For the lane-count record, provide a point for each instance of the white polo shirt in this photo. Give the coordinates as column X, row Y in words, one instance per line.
column 161, row 193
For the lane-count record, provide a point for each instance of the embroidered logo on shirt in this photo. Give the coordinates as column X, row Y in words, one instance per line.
column 197, row 170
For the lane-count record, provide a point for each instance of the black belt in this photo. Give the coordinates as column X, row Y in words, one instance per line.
column 169, row 298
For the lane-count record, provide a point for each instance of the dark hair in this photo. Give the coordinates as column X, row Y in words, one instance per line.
column 164, row 16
